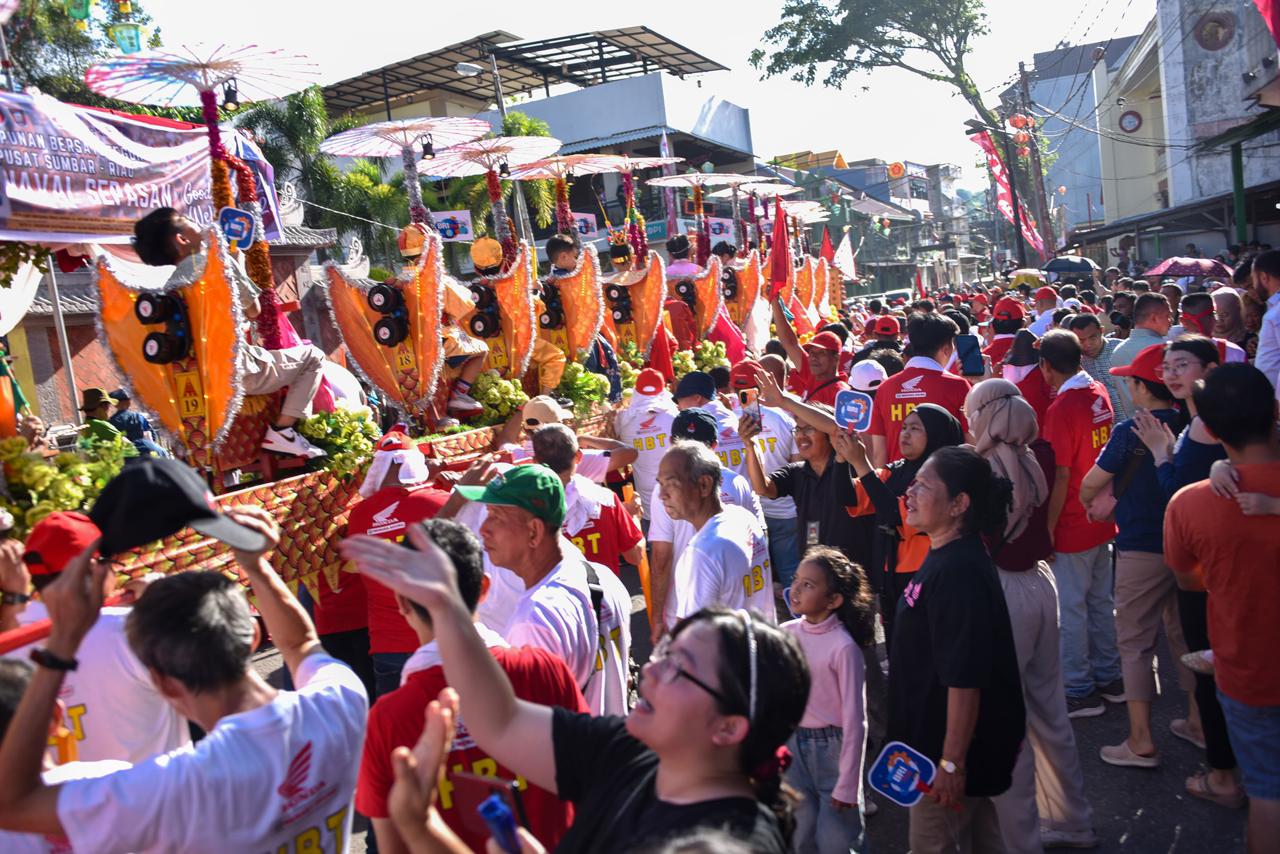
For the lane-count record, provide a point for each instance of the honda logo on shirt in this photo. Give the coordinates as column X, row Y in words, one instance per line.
column 647, row 424
column 384, row 520
column 296, row 776
column 1100, row 412
column 911, row 388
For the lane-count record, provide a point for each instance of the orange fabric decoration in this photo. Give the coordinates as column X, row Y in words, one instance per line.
column 707, row 305
column 647, row 298
column 196, row 399
column 821, row 284
column 8, row 411
column 750, row 281
column 583, row 299
column 804, row 283
column 514, row 291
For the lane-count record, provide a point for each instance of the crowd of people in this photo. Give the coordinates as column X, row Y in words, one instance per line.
column 994, row 558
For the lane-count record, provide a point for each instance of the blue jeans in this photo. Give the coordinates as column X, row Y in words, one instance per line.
column 784, row 548
column 1086, row 616
column 386, row 671
column 1255, row 738
column 814, row 772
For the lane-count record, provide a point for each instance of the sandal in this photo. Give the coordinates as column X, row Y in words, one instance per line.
column 1198, row 786
column 1182, row 730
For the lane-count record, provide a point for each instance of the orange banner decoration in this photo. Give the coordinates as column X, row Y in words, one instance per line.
column 647, row 298
column 406, row 373
column 514, row 291
column 804, row 283
column 750, row 279
column 582, row 296
column 197, row 398
column 706, row 285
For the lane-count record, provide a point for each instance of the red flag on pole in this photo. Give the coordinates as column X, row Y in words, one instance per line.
column 920, row 283
column 1004, row 196
column 828, row 251
column 779, row 252
column 660, row 354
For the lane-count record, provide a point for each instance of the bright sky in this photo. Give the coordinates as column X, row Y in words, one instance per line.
column 890, row 114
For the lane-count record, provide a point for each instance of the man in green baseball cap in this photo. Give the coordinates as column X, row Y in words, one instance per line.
column 533, row 488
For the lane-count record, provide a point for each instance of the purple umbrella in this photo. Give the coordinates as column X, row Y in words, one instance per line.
column 1179, row 267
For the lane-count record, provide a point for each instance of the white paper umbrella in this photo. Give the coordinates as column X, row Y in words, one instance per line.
column 389, row 139
column 400, row 138
column 760, row 189
column 563, row 165
column 634, row 163
column 700, row 179
column 485, row 155
column 7, row 8
column 175, row 77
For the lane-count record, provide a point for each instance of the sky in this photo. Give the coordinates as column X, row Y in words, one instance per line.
column 890, row 113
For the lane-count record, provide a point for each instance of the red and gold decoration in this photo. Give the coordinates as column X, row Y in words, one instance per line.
column 750, row 288
column 706, row 287
column 514, row 293
column 582, row 296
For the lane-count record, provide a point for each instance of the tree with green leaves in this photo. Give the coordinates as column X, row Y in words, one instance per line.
column 930, row 38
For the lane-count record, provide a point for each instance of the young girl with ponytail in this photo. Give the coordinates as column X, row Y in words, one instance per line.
column 832, row 599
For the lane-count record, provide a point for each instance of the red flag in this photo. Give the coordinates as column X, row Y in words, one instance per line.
column 828, row 251
column 1270, row 10
column 799, row 317
column 1004, row 196
column 920, row 283
column 660, row 354
column 779, row 252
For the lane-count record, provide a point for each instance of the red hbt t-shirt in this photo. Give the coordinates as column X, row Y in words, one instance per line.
column 805, row 384
column 343, row 610
column 397, row 720
column 1078, row 425
column 906, row 390
column 387, row 513
column 1035, row 388
column 997, row 350
column 604, row 540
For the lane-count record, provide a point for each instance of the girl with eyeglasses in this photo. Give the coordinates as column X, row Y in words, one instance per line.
column 700, row 749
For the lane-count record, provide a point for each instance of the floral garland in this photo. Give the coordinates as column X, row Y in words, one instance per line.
column 503, row 225
column 564, row 217
column 257, row 261
column 637, row 235
column 703, row 250
column 417, row 210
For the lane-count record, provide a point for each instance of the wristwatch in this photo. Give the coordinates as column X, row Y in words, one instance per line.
column 49, row 661
column 8, row 597
column 949, row 766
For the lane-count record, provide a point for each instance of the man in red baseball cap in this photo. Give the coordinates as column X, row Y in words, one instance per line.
column 113, row 708
column 884, row 331
column 1046, row 302
column 816, row 376
column 1007, row 318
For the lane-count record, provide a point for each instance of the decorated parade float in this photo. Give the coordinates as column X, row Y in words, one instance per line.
column 176, row 340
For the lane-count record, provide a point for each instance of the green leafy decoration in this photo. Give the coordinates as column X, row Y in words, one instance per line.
column 347, row 436
column 70, row 481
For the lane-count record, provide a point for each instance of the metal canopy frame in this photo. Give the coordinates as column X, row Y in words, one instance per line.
column 585, row 59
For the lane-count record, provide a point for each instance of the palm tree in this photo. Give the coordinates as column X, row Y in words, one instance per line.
column 289, row 133
column 368, row 194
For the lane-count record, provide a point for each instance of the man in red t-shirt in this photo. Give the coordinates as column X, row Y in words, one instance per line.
column 932, row 338
column 816, row 376
column 1006, row 319
column 1077, row 426
column 397, row 719
column 395, row 496
column 1230, row 549
column 594, row 519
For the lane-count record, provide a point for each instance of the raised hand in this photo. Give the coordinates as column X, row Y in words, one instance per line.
column 770, row 393
column 748, row 427
column 423, row 574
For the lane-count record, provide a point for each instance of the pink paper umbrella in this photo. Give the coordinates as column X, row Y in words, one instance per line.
column 561, row 169
column 401, row 138
column 489, row 157
column 176, row 77
column 698, row 182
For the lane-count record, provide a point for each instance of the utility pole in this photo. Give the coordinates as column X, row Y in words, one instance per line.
column 1040, row 202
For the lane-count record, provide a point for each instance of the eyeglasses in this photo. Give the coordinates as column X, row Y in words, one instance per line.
column 667, row 669
column 1165, row 369
column 804, row 428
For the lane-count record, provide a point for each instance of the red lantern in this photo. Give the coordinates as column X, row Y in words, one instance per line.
column 1018, row 120
column 1023, row 151
column 1022, row 137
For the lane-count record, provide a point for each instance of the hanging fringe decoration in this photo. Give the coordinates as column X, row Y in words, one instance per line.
column 564, row 218
column 637, row 235
column 703, row 252
column 257, row 263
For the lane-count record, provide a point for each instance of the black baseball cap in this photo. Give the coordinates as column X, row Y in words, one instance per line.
column 696, row 424
column 696, row 382
column 155, row 497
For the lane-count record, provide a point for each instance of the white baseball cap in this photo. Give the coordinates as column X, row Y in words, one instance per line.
column 867, row 375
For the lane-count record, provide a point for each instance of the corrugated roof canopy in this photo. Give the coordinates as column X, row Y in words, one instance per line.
column 586, row 59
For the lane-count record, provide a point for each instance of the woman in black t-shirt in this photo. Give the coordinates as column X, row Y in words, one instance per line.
column 717, row 701
column 954, row 692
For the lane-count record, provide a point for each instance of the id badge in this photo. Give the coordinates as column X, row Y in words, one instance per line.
column 811, row 534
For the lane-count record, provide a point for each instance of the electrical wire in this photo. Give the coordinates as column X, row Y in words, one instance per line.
column 348, row 215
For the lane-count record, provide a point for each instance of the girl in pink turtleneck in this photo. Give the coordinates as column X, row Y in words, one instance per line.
column 832, row 599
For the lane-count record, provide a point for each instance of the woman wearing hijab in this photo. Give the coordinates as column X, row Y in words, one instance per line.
column 1229, row 322
column 898, row 549
column 1049, row 780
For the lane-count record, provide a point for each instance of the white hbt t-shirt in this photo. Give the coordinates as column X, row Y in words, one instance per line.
column 113, row 708
column 735, row 491
column 36, row 843
column 726, row 563
column 729, row 445
column 594, row 466
column 280, row 777
column 647, row 429
column 556, row 615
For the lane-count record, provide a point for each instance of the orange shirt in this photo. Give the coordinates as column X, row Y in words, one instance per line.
column 913, row 548
column 1236, row 557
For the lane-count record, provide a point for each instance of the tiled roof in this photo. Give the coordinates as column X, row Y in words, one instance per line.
column 77, row 298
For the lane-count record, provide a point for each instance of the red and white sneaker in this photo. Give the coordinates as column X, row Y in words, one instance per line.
column 460, row 402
